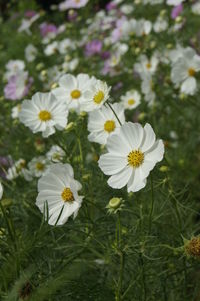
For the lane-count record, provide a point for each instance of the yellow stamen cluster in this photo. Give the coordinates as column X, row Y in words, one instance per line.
column 67, row 195
column 135, row 158
column 191, row 72
column 44, row 115
column 192, row 247
column 131, row 102
column 75, row 94
column 148, row 65
column 109, row 126
column 39, row 166
column 98, row 97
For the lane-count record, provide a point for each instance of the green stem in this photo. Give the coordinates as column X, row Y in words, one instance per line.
column 114, row 112
column 121, row 256
column 80, row 151
column 152, row 205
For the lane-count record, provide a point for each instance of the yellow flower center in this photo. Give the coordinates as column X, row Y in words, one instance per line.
column 67, row 195
column 109, row 126
column 39, row 166
column 191, row 72
column 131, row 102
column 44, row 115
column 98, row 97
column 75, row 94
column 148, row 65
column 135, row 158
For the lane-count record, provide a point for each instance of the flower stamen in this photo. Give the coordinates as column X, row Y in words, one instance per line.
column 75, row 94
column 135, row 158
column 44, row 115
column 191, row 72
column 109, row 126
column 67, row 195
column 98, row 97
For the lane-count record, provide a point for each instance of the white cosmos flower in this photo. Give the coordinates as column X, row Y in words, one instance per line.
column 43, row 113
column 1, row 190
column 19, row 169
column 131, row 99
column 174, row 2
column 102, row 123
column 51, row 48
column 96, row 95
column 60, row 190
column 71, row 90
column 196, row 8
column 30, row 53
column 55, row 154
column 132, row 154
column 184, row 71
column 13, row 67
column 146, row 65
column 38, row 166
column 147, row 88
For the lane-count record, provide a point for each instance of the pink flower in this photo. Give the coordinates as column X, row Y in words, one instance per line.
column 30, row 13
column 93, row 47
column 46, row 28
column 18, row 86
column 176, row 11
column 68, row 4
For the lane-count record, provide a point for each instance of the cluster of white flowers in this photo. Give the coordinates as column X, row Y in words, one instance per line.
column 133, row 150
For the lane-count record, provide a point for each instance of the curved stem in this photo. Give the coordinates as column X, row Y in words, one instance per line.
column 114, row 112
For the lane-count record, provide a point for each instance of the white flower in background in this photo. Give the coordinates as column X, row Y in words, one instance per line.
column 65, row 45
column 126, row 9
column 95, row 96
column 147, row 88
column 131, row 99
column 71, row 90
column 146, row 65
column 176, row 53
column 143, row 27
column 58, row 190
column 15, row 111
column 19, row 169
column 30, row 53
column 13, row 67
column 38, row 166
column 184, row 71
column 26, row 24
column 43, row 113
column 102, row 123
column 51, row 48
column 160, row 24
column 70, row 65
column 55, row 154
column 196, row 8
column 67, row 4
column 174, row 2
column 1, row 190
column 132, row 154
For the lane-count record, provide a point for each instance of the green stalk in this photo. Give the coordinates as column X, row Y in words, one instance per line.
column 114, row 112
column 152, row 205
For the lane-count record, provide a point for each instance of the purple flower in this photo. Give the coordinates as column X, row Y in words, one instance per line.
column 93, row 47
column 46, row 28
column 111, row 5
column 105, row 55
column 176, row 11
column 5, row 162
column 18, row 86
column 30, row 13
